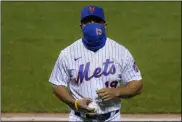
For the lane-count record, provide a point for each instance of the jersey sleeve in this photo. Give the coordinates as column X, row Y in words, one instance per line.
column 60, row 75
column 130, row 71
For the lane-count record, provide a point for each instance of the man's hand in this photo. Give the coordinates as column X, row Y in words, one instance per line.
column 107, row 94
column 129, row 90
column 83, row 105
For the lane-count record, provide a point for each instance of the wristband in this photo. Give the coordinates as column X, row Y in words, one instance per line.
column 76, row 104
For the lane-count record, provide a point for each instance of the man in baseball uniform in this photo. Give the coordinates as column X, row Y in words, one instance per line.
column 95, row 69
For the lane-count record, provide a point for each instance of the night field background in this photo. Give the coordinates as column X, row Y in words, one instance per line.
column 33, row 34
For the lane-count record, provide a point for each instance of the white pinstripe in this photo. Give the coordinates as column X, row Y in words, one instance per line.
column 66, row 70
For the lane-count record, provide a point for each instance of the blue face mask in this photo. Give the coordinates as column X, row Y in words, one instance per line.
column 94, row 36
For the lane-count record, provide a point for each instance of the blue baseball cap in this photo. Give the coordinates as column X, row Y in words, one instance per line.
column 92, row 10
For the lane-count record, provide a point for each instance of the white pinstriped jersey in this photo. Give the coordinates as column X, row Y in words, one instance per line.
column 84, row 71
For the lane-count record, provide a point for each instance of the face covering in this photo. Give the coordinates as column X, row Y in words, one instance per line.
column 94, row 36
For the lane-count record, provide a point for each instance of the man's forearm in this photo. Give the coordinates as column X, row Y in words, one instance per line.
column 131, row 89
column 64, row 95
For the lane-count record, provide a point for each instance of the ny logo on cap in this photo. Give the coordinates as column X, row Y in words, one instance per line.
column 91, row 9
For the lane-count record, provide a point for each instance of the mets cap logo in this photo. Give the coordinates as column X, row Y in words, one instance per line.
column 91, row 9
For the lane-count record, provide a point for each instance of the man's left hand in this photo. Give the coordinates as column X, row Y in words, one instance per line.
column 107, row 94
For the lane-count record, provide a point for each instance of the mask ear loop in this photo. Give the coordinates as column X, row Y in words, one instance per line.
column 106, row 28
column 81, row 25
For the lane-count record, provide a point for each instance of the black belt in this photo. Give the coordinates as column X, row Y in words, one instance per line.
column 96, row 117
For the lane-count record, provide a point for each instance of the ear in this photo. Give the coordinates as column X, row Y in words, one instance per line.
column 105, row 25
column 81, row 25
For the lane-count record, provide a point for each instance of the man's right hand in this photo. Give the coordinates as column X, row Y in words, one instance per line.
column 83, row 105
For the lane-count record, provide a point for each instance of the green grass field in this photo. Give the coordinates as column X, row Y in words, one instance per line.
column 33, row 33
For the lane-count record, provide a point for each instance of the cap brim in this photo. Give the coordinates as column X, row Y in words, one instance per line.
column 92, row 16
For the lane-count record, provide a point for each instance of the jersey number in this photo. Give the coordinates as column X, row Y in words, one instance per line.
column 112, row 84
